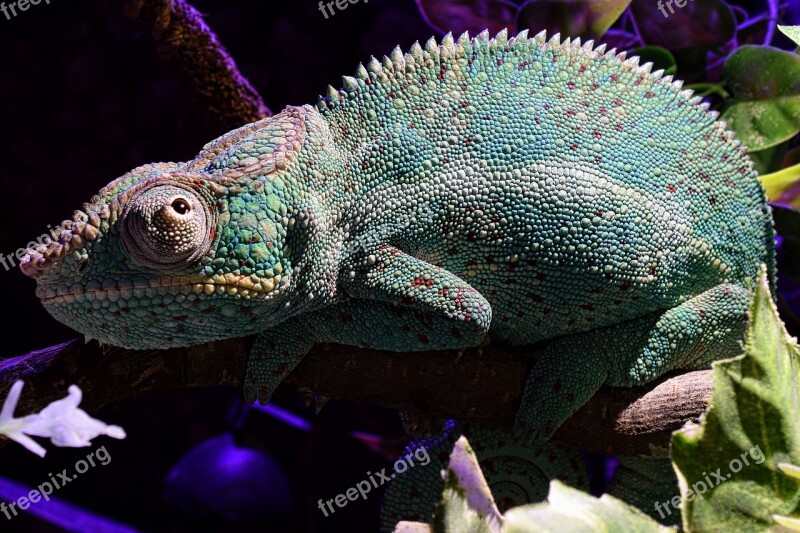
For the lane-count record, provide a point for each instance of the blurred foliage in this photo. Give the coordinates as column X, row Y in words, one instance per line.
column 738, row 469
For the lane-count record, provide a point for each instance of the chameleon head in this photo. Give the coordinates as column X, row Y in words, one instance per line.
column 163, row 257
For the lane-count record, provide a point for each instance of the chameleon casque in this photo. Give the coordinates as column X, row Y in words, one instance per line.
column 517, row 187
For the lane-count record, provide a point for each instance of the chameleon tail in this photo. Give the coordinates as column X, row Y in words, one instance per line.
column 516, row 475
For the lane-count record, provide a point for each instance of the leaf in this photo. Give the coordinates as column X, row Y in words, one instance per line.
column 776, row 183
column 568, row 509
column 467, row 504
column 588, row 19
column 792, row 32
column 474, row 16
column 699, row 23
column 765, row 83
column 728, row 466
column 661, row 58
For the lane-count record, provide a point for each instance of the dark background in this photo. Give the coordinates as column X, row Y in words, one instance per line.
column 84, row 98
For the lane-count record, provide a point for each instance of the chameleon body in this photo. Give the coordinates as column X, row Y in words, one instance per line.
column 521, row 188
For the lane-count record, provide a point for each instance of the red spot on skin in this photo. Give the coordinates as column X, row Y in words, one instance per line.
column 651, row 271
column 596, row 134
column 625, row 286
column 614, row 77
column 618, row 127
column 452, row 251
column 571, row 112
column 617, row 102
column 420, row 281
column 571, row 85
column 573, row 146
column 408, row 300
column 670, row 187
column 712, row 200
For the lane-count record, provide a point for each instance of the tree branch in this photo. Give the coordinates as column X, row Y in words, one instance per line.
column 483, row 387
column 184, row 39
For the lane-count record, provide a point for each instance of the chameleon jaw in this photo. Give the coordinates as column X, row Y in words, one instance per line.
column 232, row 285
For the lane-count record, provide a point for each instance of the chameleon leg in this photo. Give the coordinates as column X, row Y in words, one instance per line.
column 516, row 474
column 400, row 303
column 689, row 336
column 396, row 278
column 426, row 316
column 647, row 483
column 275, row 353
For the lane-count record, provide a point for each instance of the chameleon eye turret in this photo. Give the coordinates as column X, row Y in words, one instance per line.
column 165, row 227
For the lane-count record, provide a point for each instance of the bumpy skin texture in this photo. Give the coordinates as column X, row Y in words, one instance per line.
column 520, row 188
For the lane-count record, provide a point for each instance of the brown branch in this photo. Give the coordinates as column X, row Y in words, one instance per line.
column 184, row 39
column 483, row 387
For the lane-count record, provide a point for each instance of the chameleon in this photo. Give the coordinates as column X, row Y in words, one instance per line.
column 520, row 189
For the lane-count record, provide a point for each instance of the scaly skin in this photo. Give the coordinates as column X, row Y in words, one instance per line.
column 525, row 189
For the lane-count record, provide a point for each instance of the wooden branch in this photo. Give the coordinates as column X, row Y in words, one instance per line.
column 482, row 387
column 184, row 39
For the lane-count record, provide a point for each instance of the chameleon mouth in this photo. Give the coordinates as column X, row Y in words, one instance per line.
column 245, row 287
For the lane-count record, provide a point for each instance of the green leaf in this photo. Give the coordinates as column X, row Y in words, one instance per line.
column 568, row 509
column 775, row 183
column 792, row 32
column 765, row 83
column 728, row 466
column 467, row 504
column 661, row 58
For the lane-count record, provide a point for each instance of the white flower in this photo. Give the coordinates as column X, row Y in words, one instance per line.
column 61, row 421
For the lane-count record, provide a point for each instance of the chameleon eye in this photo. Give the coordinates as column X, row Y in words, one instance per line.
column 165, row 227
column 181, row 206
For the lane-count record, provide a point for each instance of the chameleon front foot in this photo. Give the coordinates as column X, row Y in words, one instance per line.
column 273, row 357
